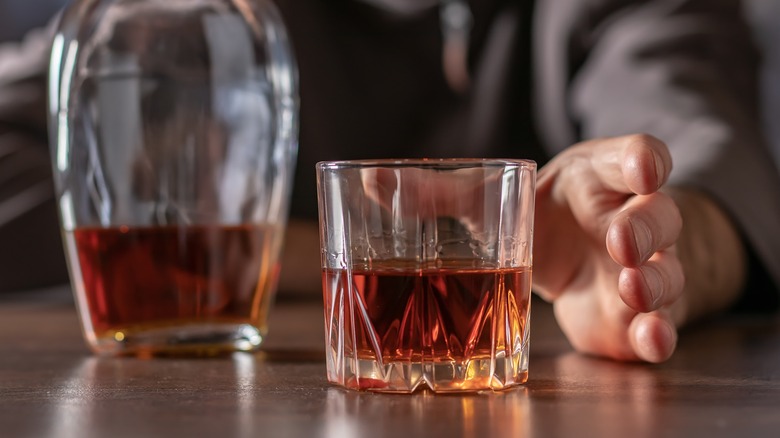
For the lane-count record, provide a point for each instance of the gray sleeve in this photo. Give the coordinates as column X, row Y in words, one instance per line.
column 684, row 71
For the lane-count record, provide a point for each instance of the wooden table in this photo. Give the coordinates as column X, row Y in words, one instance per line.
column 723, row 381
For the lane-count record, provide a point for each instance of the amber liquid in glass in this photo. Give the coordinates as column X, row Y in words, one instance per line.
column 181, row 281
column 457, row 319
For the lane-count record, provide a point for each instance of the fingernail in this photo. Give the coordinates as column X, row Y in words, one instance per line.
column 642, row 239
column 659, row 170
column 654, row 286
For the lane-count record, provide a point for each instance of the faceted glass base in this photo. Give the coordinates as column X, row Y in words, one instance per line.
column 446, row 330
column 187, row 340
column 408, row 377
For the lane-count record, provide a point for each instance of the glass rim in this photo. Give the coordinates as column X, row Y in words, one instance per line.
column 429, row 163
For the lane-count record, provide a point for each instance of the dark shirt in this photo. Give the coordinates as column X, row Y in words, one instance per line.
column 372, row 86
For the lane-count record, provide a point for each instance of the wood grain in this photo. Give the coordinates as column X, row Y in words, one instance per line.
column 724, row 380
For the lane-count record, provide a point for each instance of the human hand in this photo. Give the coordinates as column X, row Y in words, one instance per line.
column 604, row 247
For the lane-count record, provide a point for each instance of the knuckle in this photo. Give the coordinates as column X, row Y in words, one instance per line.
column 650, row 143
column 645, row 140
column 648, row 159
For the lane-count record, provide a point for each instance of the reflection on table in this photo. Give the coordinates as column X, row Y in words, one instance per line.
column 723, row 381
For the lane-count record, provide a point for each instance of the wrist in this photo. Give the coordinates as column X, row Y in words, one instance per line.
column 712, row 254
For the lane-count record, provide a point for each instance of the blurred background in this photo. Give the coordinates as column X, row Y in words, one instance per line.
column 764, row 15
column 19, row 16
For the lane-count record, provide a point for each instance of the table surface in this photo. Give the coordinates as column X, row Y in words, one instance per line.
column 724, row 380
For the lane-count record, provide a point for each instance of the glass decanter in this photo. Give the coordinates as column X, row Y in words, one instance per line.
column 173, row 128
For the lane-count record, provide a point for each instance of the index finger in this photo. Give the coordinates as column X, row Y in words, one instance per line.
column 638, row 163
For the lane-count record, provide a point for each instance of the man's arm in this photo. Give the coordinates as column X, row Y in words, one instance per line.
column 684, row 71
column 713, row 257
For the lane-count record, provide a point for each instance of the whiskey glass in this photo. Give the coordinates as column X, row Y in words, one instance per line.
column 426, row 268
